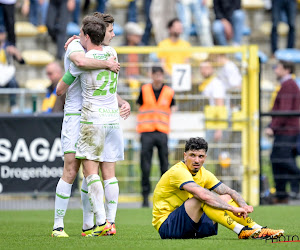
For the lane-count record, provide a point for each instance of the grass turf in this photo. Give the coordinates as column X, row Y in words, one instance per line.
column 32, row 230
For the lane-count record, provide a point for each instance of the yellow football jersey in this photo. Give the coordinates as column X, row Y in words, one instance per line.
column 169, row 195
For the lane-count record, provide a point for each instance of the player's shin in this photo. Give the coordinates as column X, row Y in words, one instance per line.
column 95, row 192
column 88, row 215
column 245, row 222
column 220, row 216
column 111, row 190
column 63, row 193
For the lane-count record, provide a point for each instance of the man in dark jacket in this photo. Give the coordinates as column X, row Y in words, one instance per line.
column 285, row 130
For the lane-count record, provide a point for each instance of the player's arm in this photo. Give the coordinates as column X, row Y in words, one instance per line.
column 211, row 199
column 224, row 189
column 64, row 83
column 79, row 59
column 124, row 106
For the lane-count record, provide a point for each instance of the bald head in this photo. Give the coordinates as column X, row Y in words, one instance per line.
column 54, row 72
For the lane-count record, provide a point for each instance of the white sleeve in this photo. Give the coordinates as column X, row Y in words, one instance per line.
column 74, row 70
column 75, row 46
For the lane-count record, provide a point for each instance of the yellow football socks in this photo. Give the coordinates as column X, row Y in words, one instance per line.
column 219, row 216
column 245, row 222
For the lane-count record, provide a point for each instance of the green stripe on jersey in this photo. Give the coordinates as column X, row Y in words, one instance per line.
column 84, row 191
column 86, row 122
column 71, row 114
column 90, row 183
column 63, row 197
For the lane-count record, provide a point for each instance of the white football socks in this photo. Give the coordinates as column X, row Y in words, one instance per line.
column 238, row 228
column 96, row 193
column 62, row 197
column 88, row 215
column 111, row 190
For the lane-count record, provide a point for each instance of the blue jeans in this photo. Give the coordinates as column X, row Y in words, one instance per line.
column 76, row 12
column 131, row 12
column 147, row 33
column 237, row 22
column 101, row 6
column 201, row 20
column 38, row 12
column 290, row 9
column 12, row 84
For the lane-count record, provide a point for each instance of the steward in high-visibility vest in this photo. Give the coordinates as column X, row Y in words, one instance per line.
column 154, row 115
column 156, row 102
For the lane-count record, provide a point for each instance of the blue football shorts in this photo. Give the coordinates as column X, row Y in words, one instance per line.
column 179, row 225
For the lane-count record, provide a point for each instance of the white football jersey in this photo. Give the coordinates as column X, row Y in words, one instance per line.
column 99, row 87
column 73, row 102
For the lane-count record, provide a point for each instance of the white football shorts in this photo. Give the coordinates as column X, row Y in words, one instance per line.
column 69, row 133
column 103, row 142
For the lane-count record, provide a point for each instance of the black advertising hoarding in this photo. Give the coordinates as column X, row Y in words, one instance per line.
column 30, row 153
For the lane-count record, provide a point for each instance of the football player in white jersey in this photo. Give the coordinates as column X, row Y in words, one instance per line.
column 70, row 129
column 100, row 113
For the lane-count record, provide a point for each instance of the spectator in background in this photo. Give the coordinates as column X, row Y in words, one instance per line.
column 229, row 22
column 76, row 12
column 8, row 12
column 213, row 89
column 173, row 42
column 131, row 11
column 285, row 131
column 8, row 53
column 58, row 16
column 229, row 73
column 37, row 10
column 101, row 5
column 156, row 102
column 148, row 26
column 161, row 12
column 290, row 9
column 196, row 10
column 133, row 33
column 52, row 102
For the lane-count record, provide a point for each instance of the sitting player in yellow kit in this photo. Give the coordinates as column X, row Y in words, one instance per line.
column 189, row 202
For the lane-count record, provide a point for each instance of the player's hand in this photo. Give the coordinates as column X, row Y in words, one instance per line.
column 125, row 110
column 239, row 212
column 70, row 40
column 113, row 65
column 249, row 209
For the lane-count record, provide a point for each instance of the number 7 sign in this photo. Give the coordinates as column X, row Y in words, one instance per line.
column 181, row 77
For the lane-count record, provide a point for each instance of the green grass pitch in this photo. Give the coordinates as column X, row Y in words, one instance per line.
column 32, row 230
